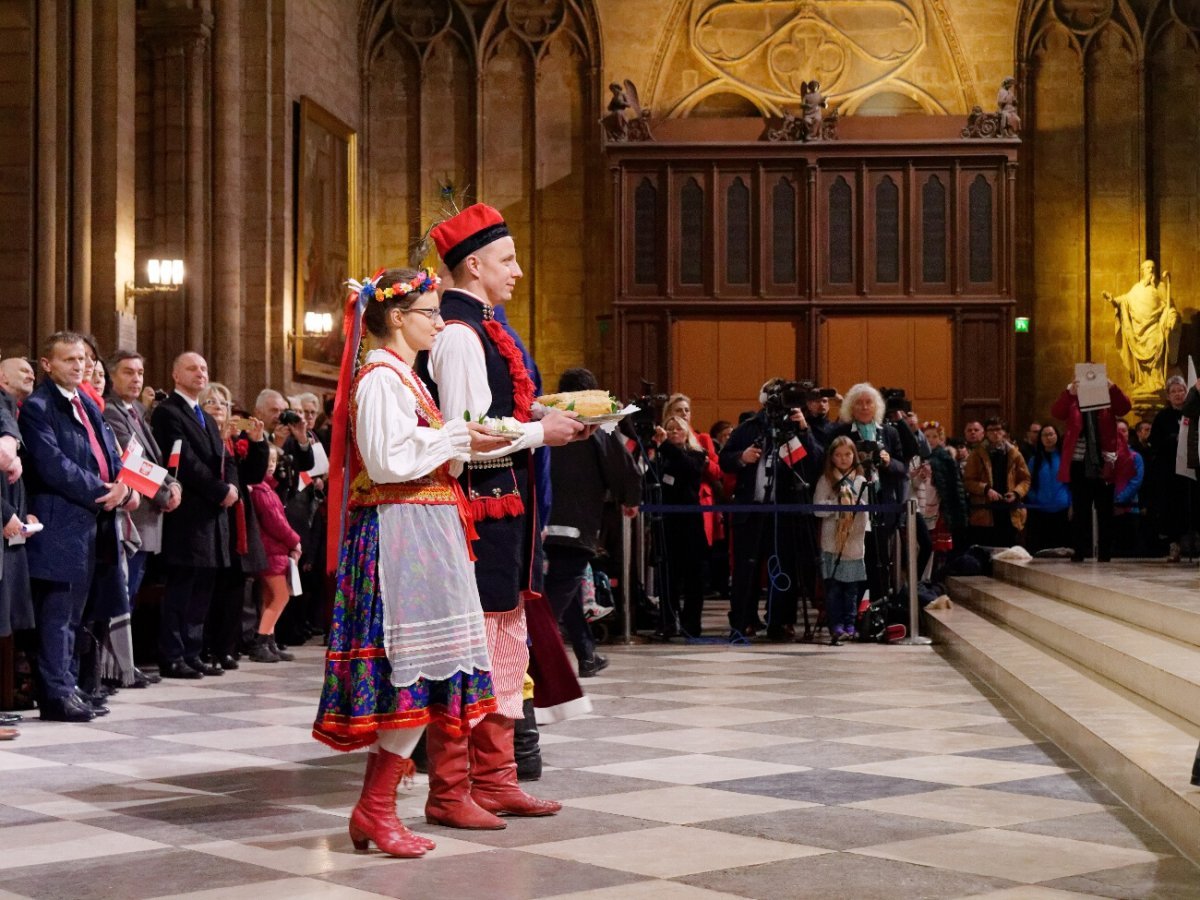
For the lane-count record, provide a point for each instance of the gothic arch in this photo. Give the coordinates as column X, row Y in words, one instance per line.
column 1108, row 90
column 517, row 127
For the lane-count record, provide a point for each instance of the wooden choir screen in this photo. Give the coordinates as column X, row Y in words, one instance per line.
column 741, row 230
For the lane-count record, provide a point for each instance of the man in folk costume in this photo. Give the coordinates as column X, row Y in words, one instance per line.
column 475, row 367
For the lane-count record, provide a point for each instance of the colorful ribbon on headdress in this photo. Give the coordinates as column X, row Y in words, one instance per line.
column 342, row 463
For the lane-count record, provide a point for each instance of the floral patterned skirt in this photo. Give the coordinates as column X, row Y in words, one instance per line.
column 358, row 698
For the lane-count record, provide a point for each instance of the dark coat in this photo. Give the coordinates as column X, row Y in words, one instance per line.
column 197, row 533
column 16, row 602
column 582, row 473
column 789, row 490
column 132, row 423
column 63, row 480
column 251, row 468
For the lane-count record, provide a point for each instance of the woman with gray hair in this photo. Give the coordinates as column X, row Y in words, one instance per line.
column 880, row 451
column 1172, row 497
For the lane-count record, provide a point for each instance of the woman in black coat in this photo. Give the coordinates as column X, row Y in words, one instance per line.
column 681, row 464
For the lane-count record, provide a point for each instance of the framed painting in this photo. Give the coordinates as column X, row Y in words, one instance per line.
column 326, row 239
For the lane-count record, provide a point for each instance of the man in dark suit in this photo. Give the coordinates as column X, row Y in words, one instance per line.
column 195, row 536
column 72, row 481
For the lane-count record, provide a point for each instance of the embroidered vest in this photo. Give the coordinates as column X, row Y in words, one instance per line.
column 435, row 488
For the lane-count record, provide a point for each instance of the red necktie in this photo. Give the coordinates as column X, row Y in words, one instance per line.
column 97, row 450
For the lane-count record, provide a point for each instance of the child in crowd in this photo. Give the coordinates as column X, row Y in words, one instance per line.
column 843, row 538
column 279, row 543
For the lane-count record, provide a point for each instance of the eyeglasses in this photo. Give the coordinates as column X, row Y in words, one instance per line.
column 213, row 401
column 433, row 312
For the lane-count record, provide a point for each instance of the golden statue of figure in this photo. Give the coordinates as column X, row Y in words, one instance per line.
column 1146, row 321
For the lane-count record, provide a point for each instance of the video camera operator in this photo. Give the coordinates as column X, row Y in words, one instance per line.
column 816, row 412
column 882, row 451
column 775, row 458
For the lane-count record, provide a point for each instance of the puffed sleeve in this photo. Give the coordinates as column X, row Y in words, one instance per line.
column 458, row 366
column 394, row 448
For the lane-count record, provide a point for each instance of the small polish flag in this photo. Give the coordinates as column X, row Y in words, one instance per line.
column 305, row 480
column 133, row 448
column 142, row 475
column 792, row 452
column 176, row 449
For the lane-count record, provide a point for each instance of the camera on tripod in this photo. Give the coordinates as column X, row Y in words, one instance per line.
column 645, row 420
column 869, row 456
column 895, row 400
column 780, row 397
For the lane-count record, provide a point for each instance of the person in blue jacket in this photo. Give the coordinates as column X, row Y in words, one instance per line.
column 1049, row 500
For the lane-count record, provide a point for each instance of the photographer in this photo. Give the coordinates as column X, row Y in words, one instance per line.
column 271, row 407
column 764, row 476
column 881, row 451
column 816, row 413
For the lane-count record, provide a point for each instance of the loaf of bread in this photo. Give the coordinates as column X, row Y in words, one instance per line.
column 585, row 403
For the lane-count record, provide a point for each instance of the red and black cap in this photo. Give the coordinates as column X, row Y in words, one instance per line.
column 460, row 236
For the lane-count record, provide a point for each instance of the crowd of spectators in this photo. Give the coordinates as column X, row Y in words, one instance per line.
column 1077, row 484
column 176, row 526
column 220, row 559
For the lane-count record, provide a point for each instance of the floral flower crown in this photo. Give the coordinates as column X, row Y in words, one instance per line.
column 423, row 282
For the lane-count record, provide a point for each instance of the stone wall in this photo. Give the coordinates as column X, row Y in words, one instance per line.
column 17, row 38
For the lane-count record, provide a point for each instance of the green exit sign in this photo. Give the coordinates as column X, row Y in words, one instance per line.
column 1021, row 324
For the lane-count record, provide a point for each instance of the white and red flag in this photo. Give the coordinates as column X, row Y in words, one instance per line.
column 792, row 452
column 176, row 449
column 142, row 475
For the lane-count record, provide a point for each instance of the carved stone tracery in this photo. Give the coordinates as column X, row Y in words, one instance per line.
column 764, row 50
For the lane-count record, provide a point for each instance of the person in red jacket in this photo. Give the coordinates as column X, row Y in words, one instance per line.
column 280, row 544
column 1089, row 465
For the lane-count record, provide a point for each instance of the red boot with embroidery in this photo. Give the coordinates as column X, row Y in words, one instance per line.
column 374, row 816
column 494, row 772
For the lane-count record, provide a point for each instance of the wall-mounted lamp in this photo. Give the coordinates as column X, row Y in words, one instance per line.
column 316, row 325
column 164, row 275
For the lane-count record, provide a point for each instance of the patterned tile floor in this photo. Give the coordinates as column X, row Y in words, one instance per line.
column 765, row 772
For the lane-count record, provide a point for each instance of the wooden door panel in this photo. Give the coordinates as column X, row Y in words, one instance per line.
column 910, row 352
column 721, row 364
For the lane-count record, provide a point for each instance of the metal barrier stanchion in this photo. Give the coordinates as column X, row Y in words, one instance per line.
column 626, row 570
column 914, row 604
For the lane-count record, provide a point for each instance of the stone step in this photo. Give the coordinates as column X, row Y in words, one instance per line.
column 1164, row 671
column 1154, row 594
column 1141, row 752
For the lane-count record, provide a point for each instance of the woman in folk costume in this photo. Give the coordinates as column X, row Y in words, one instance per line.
column 407, row 648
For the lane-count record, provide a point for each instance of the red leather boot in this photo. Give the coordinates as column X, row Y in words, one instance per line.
column 494, row 772
column 374, row 816
column 450, row 802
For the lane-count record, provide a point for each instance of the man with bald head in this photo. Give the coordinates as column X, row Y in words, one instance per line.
column 270, row 406
column 195, row 536
column 17, row 377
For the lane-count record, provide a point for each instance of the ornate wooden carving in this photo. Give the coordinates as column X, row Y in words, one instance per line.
column 864, row 225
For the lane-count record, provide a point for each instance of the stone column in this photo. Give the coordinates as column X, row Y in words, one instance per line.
column 175, row 222
column 113, row 167
column 227, row 193
column 78, row 283
column 46, row 293
column 196, row 329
